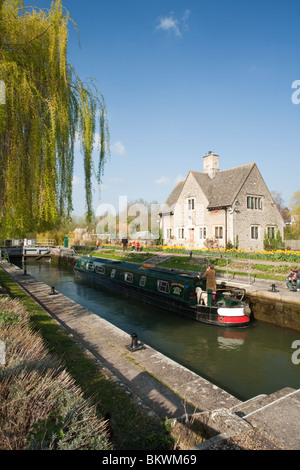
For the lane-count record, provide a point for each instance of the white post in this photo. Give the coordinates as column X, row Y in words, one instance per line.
column 2, row 353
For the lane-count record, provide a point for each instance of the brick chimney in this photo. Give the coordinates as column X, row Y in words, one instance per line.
column 211, row 164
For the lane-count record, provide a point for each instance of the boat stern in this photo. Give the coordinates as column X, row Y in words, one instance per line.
column 239, row 316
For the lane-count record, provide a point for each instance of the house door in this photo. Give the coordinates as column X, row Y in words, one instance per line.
column 192, row 236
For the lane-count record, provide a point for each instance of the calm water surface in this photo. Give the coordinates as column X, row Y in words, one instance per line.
column 245, row 362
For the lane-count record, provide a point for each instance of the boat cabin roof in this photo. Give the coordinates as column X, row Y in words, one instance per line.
column 141, row 268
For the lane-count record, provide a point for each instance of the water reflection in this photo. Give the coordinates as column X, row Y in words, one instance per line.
column 245, row 362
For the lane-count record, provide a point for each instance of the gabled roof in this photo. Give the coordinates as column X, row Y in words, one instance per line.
column 173, row 198
column 221, row 190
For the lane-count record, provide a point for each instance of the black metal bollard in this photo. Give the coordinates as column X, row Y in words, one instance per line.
column 134, row 341
column 53, row 292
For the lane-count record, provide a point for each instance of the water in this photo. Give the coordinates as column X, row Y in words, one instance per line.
column 245, row 362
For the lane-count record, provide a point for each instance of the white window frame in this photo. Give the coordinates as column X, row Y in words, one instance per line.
column 163, row 286
column 191, row 203
column 254, row 203
column 269, row 229
column 202, row 232
column 90, row 266
column 128, row 277
column 143, row 280
column 99, row 269
column 181, row 233
column 254, row 230
column 219, row 232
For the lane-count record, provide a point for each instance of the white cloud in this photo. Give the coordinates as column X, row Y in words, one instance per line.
column 173, row 25
column 118, row 148
column 169, row 24
column 162, row 180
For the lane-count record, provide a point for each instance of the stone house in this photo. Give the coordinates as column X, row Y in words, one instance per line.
column 231, row 206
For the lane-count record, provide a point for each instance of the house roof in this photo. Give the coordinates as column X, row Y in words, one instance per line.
column 221, row 190
column 173, row 198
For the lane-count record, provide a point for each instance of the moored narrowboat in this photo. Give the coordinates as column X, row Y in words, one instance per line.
column 178, row 292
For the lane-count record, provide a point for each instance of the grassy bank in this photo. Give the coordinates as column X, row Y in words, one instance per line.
column 133, row 428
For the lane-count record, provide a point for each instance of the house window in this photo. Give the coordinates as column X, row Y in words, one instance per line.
column 181, row 233
column 191, row 204
column 128, row 277
column 143, row 281
column 169, row 232
column 163, row 286
column 254, row 233
column 271, row 232
column 254, row 203
column 202, row 233
column 218, row 232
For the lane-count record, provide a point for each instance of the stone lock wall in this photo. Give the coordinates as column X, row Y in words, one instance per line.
column 274, row 310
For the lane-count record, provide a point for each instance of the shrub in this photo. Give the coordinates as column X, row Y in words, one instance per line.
column 40, row 405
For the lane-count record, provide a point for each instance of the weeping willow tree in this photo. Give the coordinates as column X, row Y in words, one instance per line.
column 46, row 108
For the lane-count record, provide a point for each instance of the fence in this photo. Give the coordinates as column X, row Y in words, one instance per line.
column 293, row 245
column 45, row 242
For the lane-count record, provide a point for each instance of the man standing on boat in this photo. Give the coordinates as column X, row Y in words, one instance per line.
column 210, row 274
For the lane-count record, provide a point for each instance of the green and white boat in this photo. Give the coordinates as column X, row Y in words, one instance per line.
column 174, row 291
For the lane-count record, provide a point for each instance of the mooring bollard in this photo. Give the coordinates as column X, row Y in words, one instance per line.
column 135, row 344
column 134, row 341
column 53, row 292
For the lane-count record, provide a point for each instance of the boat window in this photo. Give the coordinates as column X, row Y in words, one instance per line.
column 143, row 281
column 113, row 273
column 163, row 286
column 128, row 277
column 90, row 266
column 100, row 269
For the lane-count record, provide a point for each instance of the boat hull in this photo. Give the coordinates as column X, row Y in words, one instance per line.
column 201, row 313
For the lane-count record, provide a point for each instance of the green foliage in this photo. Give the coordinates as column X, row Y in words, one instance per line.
column 294, row 229
column 263, row 267
column 72, row 425
column 9, row 317
column 47, row 107
column 273, row 243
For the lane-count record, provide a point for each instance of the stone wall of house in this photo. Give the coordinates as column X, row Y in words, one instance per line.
column 192, row 220
column 245, row 218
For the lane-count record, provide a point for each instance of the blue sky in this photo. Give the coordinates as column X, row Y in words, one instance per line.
column 184, row 77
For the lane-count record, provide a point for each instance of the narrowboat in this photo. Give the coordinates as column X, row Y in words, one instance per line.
column 174, row 291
